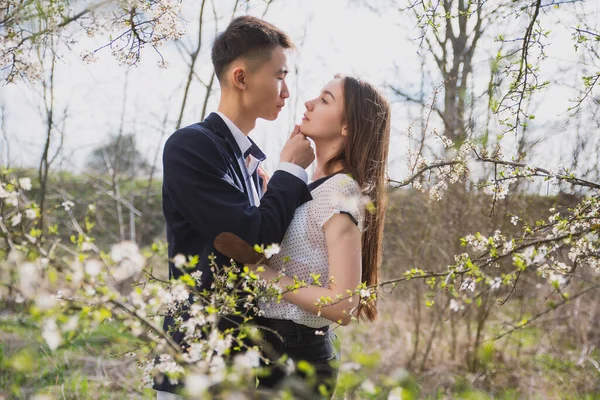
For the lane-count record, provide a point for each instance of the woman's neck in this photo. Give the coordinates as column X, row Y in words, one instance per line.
column 325, row 152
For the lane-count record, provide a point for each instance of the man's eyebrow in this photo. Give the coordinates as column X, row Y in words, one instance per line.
column 329, row 93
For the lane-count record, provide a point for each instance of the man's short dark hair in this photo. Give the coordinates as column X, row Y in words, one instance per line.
column 247, row 37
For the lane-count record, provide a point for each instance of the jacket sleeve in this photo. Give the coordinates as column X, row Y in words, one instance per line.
column 197, row 183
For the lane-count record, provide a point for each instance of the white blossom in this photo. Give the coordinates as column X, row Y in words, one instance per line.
column 396, row 393
column 497, row 189
column 179, row 260
column 495, row 283
column 219, row 344
column 167, row 365
column 197, row 275
column 196, row 384
column 88, row 57
column 350, row 366
column 247, row 360
column 71, row 324
column 25, row 183
column 195, row 352
column 437, row 191
column 68, row 205
column 455, row 305
column 528, row 253
column 540, row 255
column 468, row 284
column 3, row 193
column 16, row 219
column 509, row 246
column 368, row 387
column 179, row 292
column 591, row 237
column 77, row 273
column 93, row 267
column 45, row 301
column 130, row 261
column 30, row 213
column 12, row 199
column 51, row 334
column 478, row 242
column 446, row 140
column 29, row 276
column 272, row 250
column 557, row 278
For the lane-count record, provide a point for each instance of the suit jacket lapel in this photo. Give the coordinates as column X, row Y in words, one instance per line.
column 260, row 156
column 220, row 128
column 258, row 182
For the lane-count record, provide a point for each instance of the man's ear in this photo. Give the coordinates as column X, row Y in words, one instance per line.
column 238, row 77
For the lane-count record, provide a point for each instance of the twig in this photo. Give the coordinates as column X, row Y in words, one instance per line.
column 530, row 320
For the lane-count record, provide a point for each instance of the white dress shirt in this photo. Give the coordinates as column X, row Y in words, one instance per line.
column 253, row 163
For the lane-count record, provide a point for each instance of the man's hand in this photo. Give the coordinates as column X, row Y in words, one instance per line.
column 297, row 149
column 265, row 177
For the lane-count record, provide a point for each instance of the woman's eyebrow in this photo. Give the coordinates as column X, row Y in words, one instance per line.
column 329, row 93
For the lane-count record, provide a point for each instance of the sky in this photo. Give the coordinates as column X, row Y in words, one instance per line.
column 333, row 36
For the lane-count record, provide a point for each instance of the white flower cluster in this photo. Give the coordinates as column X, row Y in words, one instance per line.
column 168, row 24
column 455, row 305
column 153, row 22
column 478, row 242
column 130, row 261
column 170, row 368
column 14, row 62
column 11, row 195
column 468, row 284
column 495, row 283
column 365, row 293
column 272, row 250
column 498, row 189
column 51, row 334
column 437, row 191
column 130, row 24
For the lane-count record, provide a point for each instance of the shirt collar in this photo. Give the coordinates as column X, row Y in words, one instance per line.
column 246, row 145
column 242, row 140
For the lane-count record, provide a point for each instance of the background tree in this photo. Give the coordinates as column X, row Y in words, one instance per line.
column 119, row 156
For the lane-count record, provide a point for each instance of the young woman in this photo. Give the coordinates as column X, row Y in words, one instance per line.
column 333, row 238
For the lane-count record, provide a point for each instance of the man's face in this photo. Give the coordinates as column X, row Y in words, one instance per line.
column 266, row 88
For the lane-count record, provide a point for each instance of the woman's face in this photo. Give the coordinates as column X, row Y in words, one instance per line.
column 323, row 117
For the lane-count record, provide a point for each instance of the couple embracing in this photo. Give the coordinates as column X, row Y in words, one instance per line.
column 213, row 183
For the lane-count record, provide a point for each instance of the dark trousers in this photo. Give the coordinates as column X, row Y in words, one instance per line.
column 315, row 357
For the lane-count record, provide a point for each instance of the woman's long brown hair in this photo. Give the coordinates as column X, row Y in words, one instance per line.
column 364, row 155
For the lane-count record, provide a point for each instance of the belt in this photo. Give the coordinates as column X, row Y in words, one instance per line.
column 285, row 327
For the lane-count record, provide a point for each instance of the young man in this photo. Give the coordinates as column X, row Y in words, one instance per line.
column 211, row 181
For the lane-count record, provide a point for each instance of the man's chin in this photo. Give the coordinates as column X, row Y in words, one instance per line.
column 271, row 117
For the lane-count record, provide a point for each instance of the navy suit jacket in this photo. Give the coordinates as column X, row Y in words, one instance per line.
column 206, row 191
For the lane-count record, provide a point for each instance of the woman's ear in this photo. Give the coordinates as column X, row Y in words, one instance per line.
column 345, row 130
column 238, row 78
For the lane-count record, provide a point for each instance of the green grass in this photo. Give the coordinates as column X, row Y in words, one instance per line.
column 92, row 366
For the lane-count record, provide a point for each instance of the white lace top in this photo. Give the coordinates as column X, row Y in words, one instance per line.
column 303, row 250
